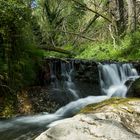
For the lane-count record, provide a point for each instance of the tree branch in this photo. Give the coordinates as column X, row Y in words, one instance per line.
column 78, row 34
column 87, row 27
column 90, row 23
column 92, row 10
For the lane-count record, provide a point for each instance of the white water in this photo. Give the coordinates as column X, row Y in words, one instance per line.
column 69, row 84
column 66, row 83
column 112, row 79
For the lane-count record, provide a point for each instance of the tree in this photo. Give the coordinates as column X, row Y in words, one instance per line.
column 60, row 22
column 120, row 21
column 131, row 15
column 18, row 52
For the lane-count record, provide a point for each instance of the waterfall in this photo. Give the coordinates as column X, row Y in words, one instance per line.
column 66, row 72
column 64, row 81
column 112, row 80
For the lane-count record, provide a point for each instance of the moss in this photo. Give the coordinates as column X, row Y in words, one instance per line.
column 8, row 105
column 137, row 84
column 9, row 108
column 8, row 111
column 25, row 105
column 115, row 102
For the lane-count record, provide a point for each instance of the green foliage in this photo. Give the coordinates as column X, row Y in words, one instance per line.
column 57, row 19
column 63, row 22
column 132, row 50
column 127, row 49
column 9, row 107
column 19, row 55
column 98, row 51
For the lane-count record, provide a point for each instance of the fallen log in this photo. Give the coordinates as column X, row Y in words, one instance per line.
column 56, row 49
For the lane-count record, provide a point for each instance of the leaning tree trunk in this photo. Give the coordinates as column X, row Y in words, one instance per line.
column 120, row 22
column 131, row 15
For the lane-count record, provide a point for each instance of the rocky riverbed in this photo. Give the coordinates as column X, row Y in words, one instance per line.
column 113, row 119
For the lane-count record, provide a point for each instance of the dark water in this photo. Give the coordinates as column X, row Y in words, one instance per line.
column 25, row 128
column 22, row 132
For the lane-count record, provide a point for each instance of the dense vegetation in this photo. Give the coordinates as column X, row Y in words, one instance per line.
column 18, row 50
column 99, row 30
column 89, row 29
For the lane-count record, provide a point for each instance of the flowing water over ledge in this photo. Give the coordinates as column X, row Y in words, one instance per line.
column 112, row 81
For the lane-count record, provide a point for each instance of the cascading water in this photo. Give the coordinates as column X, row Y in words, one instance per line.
column 65, row 83
column 66, row 72
column 112, row 79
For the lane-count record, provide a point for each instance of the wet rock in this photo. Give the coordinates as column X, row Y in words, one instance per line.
column 137, row 66
column 129, row 82
column 37, row 99
column 134, row 90
column 85, row 74
column 116, row 119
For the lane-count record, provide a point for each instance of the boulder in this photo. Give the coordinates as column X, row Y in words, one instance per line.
column 134, row 90
column 114, row 119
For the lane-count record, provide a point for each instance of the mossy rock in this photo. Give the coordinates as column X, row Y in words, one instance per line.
column 112, row 102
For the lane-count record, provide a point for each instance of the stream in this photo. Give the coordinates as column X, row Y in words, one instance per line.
column 112, row 81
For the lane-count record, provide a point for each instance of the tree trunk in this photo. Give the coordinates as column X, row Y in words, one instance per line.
column 131, row 15
column 120, row 22
column 116, row 10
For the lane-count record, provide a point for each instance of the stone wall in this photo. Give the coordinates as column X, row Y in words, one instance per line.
column 87, row 77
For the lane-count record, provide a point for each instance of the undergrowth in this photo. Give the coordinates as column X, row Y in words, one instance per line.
column 128, row 49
